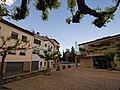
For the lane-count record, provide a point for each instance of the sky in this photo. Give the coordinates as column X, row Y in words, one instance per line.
column 66, row 34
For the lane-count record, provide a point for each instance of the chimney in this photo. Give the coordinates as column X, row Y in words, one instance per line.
column 33, row 31
column 38, row 33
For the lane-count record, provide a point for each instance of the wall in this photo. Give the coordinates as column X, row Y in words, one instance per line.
column 6, row 30
column 88, row 63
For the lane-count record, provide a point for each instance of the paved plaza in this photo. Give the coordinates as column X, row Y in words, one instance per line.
column 71, row 79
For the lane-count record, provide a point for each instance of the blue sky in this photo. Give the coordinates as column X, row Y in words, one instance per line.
column 66, row 34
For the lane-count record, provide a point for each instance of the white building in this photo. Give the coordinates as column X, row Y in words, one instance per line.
column 42, row 44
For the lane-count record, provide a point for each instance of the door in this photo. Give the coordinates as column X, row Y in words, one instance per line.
column 14, row 68
column 101, row 62
column 35, row 65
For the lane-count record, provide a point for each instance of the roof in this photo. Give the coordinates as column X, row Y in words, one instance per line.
column 55, row 41
column 109, row 37
column 15, row 26
column 44, row 38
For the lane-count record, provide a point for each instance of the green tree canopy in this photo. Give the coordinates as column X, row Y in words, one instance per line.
column 82, row 49
column 109, row 54
column 72, row 50
column 78, row 9
column 117, row 44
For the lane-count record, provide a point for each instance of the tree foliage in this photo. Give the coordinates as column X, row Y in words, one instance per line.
column 112, row 53
column 82, row 49
column 117, row 44
column 78, row 9
column 72, row 50
column 109, row 54
column 50, row 56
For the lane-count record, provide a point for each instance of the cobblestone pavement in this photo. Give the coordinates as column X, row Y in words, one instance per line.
column 71, row 79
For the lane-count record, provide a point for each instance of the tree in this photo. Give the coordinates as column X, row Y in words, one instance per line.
column 72, row 50
column 63, row 57
column 78, row 9
column 50, row 56
column 4, row 50
column 117, row 44
column 57, row 56
column 110, row 54
column 72, row 56
column 82, row 49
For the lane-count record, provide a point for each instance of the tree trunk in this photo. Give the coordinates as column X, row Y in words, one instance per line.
column 47, row 66
column 23, row 8
column 1, row 69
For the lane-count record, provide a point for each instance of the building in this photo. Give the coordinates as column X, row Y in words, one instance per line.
column 56, row 49
column 26, row 60
column 42, row 44
column 92, row 53
column 56, row 44
column 17, row 61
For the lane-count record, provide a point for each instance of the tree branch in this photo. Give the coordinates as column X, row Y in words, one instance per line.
column 84, row 9
column 101, row 17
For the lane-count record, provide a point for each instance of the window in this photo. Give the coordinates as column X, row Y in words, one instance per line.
column 11, row 51
column 45, row 45
column 24, row 38
column 23, row 51
column 40, row 63
column 49, row 49
column 14, row 35
column 37, row 41
column 57, row 47
column 51, row 63
column 44, row 63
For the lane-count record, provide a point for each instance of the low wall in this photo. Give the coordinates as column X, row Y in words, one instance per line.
column 13, row 78
column 117, row 65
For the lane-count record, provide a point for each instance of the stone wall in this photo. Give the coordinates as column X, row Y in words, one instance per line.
column 88, row 63
column 117, row 64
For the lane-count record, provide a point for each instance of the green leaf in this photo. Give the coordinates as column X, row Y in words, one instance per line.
column 71, row 5
column 68, row 20
column 44, row 15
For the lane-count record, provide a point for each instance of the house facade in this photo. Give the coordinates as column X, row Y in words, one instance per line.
column 25, row 60
column 93, row 53
column 56, row 44
column 42, row 44
column 17, row 61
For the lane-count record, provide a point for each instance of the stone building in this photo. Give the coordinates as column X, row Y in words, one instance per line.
column 94, row 56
